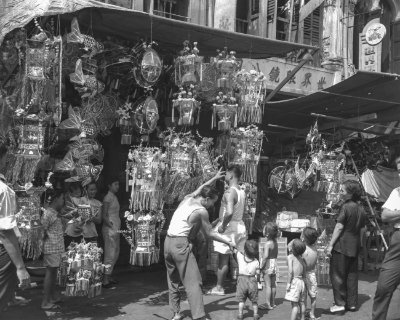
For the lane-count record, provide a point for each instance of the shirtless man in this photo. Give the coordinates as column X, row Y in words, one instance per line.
column 229, row 224
column 179, row 259
column 310, row 236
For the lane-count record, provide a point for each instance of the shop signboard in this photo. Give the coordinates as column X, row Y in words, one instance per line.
column 307, row 80
column 371, row 46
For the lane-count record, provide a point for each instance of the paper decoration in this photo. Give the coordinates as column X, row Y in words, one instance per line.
column 145, row 115
column 227, row 66
column 86, row 84
column 92, row 46
column 147, row 65
column 81, row 270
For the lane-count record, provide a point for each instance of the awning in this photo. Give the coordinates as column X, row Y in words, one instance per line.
column 129, row 24
column 361, row 94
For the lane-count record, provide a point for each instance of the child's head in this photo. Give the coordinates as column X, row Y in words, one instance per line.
column 309, row 236
column 271, row 230
column 251, row 249
column 55, row 198
column 298, row 247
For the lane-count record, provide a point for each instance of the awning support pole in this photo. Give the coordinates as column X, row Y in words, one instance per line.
column 288, row 77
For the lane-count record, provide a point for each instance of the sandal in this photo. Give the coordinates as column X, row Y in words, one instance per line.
column 53, row 307
column 264, row 306
column 215, row 292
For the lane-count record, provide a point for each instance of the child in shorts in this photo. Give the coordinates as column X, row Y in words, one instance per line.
column 53, row 246
column 249, row 268
column 295, row 289
column 269, row 265
column 310, row 256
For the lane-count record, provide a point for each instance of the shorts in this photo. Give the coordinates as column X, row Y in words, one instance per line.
column 271, row 267
column 236, row 233
column 247, row 287
column 311, row 284
column 52, row 260
column 297, row 291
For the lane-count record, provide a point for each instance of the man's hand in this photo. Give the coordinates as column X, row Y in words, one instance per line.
column 220, row 174
column 221, row 229
column 24, row 278
column 232, row 246
column 328, row 251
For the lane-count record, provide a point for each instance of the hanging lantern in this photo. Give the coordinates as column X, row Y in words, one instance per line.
column 86, row 84
column 203, row 156
column 188, row 66
column 125, row 123
column 227, row 66
column 226, row 109
column 187, row 106
column 147, row 65
column 251, row 87
column 145, row 115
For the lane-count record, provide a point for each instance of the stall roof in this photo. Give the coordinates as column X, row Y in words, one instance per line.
column 363, row 93
column 113, row 20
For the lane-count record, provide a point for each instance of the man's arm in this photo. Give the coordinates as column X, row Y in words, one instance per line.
column 206, row 226
column 10, row 243
column 230, row 196
column 390, row 216
column 220, row 174
column 335, row 236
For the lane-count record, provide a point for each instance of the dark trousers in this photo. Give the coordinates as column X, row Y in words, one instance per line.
column 182, row 267
column 344, row 278
column 8, row 278
column 389, row 279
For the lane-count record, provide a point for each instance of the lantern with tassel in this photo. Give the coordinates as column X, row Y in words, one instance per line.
column 187, row 106
column 226, row 109
column 188, row 66
column 227, row 66
column 251, row 88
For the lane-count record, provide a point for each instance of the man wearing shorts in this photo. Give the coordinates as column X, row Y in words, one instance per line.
column 230, row 225
column 12, row 268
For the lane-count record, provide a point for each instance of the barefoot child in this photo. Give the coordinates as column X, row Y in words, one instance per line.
column 295, row 289
column 268, row 265
column 247, row 282
column 53, row 246
column 310, row 256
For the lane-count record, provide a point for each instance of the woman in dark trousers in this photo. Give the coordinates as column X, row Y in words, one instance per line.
column 344, row 248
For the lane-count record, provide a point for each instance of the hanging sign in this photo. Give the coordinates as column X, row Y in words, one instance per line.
column 375, row 34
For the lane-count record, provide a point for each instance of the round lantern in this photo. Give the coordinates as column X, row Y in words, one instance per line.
column 148, row 68
column 145, row 115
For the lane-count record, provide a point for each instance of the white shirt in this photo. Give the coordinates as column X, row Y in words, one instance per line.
column 180, row 225
column 247, row 267
column 7, row 207
column 393, row 203
column 238, row 208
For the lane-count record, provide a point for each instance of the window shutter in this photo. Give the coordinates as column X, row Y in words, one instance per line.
column 272, row 11
column 396, row 47
column 312, row 28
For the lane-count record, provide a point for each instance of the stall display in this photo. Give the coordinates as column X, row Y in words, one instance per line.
column 251, row 86
column 81, row 270
column 227, row 65
column 323, row 263
column 147, row 65
column 251, row 205
column 145, row 115
column 205, row 164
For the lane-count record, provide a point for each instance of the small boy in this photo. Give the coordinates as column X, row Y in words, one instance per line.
column 310, row 256
column 295, row 289
column 249, row 268
column 268, row 265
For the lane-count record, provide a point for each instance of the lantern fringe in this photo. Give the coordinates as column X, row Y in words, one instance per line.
column 144, row 259
column 250, row 114
column 23, row 169
column 146, row 200
column 31, row 243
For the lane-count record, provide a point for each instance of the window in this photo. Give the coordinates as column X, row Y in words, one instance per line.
column 172, row 9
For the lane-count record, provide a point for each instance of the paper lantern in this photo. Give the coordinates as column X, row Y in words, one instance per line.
column 148, row 66
column 145, row 115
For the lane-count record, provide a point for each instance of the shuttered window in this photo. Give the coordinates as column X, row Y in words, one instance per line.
column 396, row 47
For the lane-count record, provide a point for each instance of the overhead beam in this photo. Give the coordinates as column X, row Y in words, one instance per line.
column 307, row 9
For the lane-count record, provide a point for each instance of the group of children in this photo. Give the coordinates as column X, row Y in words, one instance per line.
column 302, row 278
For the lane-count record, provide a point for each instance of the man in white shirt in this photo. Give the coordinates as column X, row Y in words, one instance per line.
column 12, row 266
column 389, row 277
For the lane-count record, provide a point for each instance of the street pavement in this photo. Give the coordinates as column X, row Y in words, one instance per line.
column 143, row 295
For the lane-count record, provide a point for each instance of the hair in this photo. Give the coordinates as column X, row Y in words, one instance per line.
column 112, row 180
column 298, row 247
column 310, row 235
column 53, row 194
column 75, row 186
column 251, row 249
column 353, row 188
column 235, row 169
column 271, row 230
column 90, row 183
column 209, row 192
